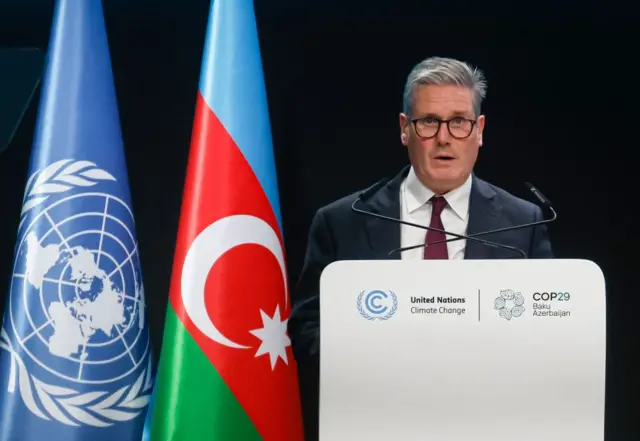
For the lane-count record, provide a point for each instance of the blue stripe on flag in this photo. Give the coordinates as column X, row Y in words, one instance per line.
column 232, row 84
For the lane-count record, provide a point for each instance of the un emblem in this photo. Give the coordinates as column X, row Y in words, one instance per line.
column 377, row 304
column 75, row 326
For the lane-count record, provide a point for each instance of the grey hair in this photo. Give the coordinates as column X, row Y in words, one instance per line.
column 438, row 70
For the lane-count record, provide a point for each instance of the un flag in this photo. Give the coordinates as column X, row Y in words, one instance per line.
column 75, row 360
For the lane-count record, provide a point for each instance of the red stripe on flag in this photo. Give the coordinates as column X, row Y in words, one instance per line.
column 244, row 281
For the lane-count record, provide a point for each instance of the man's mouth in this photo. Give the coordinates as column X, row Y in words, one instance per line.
column 445, row 157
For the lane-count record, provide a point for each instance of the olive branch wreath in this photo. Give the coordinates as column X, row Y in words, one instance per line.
column 59, row 177
column 111, row 407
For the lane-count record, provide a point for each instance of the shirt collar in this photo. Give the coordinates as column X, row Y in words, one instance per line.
column 416, row 195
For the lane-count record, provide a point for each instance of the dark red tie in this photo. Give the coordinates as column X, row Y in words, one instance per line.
column 437, row 251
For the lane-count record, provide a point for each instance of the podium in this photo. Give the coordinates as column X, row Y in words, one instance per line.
column 469, row 350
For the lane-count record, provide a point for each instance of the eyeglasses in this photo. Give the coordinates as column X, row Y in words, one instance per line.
column 429, row 126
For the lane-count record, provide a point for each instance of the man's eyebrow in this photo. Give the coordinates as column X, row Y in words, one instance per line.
column 435, row 115
column 460, row 113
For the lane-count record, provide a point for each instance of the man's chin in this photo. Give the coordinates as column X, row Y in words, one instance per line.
column 447, row 181
column 446, row 176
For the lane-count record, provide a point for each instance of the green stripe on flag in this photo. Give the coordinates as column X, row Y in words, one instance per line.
column 192, row 401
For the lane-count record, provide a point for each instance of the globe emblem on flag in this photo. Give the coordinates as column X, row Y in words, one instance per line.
column 76, row 320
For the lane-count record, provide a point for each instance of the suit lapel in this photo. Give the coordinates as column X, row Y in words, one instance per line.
column 384, row 235
column 483, row 212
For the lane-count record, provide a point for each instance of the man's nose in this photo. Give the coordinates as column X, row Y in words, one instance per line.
column 443, row 136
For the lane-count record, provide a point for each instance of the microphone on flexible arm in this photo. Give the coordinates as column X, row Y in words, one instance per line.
column 367, row 193
column 541, row 198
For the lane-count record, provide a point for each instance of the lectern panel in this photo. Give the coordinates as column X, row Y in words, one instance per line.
column 464, row 350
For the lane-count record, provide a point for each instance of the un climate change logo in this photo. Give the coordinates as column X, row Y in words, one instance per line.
column 509, row 304
column 75, row 328
column 377, row 305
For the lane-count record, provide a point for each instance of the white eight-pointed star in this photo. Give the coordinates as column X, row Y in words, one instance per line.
column 274, row 337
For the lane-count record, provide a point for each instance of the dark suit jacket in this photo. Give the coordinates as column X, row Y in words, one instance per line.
column 338, row 233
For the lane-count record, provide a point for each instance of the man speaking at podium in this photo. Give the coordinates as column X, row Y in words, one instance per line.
column 441, row 126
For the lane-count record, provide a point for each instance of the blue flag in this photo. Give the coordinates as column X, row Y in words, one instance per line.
column 75, row 362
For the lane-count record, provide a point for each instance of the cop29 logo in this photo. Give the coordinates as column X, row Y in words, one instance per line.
column 509, row 304
column 377, row 304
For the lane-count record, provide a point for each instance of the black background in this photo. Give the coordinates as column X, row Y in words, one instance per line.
column 559, row 113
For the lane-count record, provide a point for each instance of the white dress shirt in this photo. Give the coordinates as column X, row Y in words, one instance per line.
column 415, row 207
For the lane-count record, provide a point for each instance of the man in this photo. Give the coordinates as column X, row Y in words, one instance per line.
column 441, row 126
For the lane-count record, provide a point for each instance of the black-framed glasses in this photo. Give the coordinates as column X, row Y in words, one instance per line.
column 429, row 126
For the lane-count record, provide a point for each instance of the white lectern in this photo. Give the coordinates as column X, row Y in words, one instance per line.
column 469, row 350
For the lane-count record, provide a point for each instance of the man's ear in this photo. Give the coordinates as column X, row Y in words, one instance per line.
column 404, row 124
column 480, row 123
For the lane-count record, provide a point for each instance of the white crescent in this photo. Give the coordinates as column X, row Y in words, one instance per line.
column 206, row 249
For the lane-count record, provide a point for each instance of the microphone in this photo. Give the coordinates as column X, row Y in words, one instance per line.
column 537, row 193
column 367, row 193
column 541, row 198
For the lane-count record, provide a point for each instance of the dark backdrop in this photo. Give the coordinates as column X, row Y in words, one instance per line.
column 558, row 112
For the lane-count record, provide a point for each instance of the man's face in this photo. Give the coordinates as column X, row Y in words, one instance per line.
column 442, row 161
